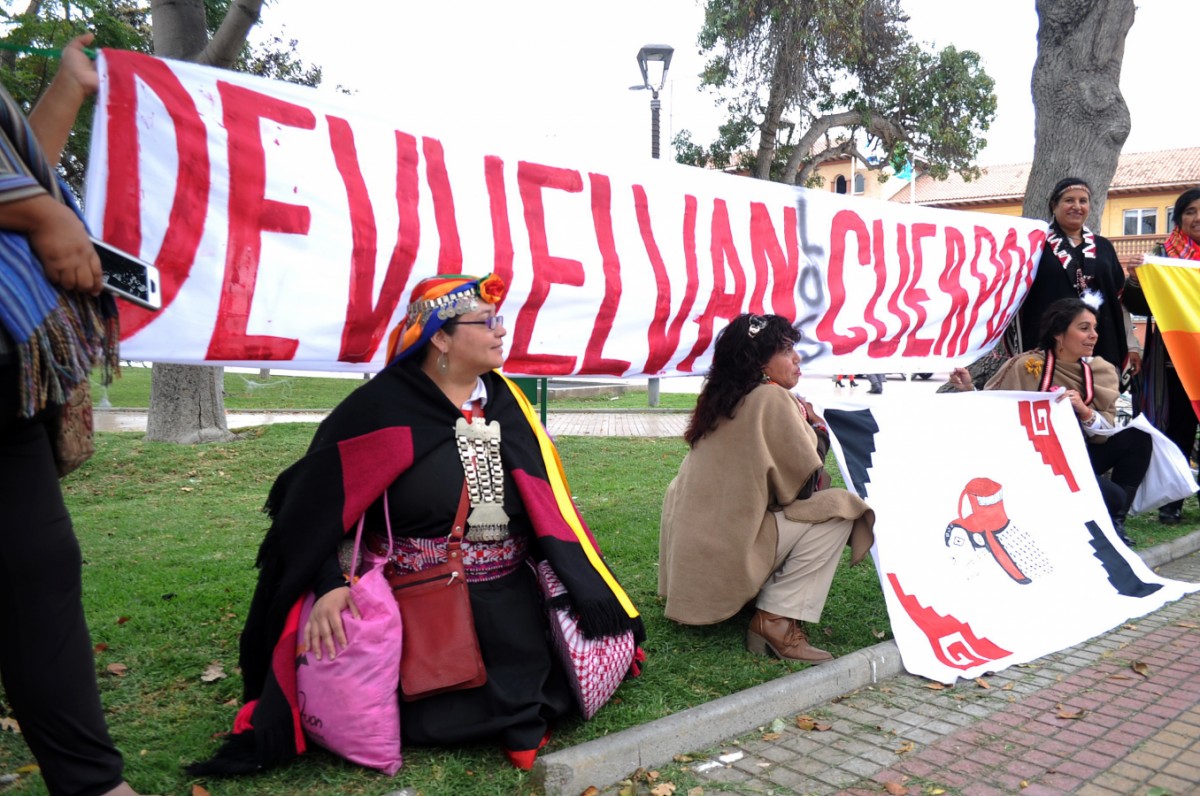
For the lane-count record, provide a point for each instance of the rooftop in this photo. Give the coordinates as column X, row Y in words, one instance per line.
column 1164, row 169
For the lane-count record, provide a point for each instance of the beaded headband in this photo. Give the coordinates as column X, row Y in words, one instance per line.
column 436, row 301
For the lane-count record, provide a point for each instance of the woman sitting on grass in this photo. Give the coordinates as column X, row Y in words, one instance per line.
column 749, row 517
column 405, row 437
column 1064, row 363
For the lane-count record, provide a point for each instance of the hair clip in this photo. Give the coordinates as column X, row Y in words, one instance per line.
column 757, row 324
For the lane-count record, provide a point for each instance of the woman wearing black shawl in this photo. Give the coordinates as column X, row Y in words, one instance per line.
column 1077, row 263
column 396, row 434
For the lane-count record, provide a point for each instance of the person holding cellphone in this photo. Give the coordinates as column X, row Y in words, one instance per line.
column 55, row 326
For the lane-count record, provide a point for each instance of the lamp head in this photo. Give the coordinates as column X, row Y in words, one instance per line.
column 649, row 58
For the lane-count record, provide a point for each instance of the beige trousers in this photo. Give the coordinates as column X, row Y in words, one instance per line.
column 806, row 556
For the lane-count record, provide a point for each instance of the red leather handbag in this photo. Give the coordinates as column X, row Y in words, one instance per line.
column 441, row 649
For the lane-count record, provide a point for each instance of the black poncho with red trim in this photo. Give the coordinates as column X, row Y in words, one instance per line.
column 380, row 431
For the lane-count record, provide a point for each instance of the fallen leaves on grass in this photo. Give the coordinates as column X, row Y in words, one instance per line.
column 591, row 791
column 9, row 724
column 808, row 723
column 1141, row 669
column 770, row 736
column 101, row 647
column 117, row 669
column 213, row 672
column 905, row 748
column 665, row 789
column 200, row 790
column 122, row 620
column 979, row 681
column 878, row 633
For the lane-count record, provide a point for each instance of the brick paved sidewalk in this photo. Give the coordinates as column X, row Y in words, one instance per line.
column 1115, row 716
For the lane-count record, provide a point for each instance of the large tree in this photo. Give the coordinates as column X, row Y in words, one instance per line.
column 1081, row 120
column 806, row 81
column 187, row 403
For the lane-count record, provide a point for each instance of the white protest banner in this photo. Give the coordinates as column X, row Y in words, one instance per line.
column 289, row 226
column 992, row 542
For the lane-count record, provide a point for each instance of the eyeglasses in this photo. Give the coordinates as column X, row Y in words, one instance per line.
column 491, row 323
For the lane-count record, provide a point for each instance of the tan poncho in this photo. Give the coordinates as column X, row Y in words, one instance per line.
column 718, row 537
column 1024, row 372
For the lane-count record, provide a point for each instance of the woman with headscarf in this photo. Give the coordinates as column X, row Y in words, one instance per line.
column 1077, row 263
column 1160, row 394
column 1063, row 362
column 397, row 438
column 750, row 517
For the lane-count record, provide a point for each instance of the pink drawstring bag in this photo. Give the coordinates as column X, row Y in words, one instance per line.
column 349, row 704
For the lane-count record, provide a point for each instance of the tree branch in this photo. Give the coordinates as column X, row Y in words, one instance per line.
column 226, row 44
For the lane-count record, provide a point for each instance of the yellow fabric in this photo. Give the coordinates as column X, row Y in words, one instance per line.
column 1172, row 289
column 562, row 496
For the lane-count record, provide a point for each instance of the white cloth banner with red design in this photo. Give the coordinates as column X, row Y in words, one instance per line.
column 289, row 226
column 992, row 541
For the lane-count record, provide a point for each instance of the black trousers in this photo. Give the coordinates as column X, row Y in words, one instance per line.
column 46, row 660
column 1181, row 421
column 1127, row 454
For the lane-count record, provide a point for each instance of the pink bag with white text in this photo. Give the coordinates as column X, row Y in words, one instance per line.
column 349, row 704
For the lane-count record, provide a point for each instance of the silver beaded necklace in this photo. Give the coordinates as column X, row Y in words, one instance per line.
column 479, row 449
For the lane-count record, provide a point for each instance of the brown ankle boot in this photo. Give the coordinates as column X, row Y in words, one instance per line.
column 771, row 634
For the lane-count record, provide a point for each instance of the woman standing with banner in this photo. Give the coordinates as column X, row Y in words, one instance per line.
column 1160, row 395
column 1076, row 263
column 749, row 517
column 1064, row 363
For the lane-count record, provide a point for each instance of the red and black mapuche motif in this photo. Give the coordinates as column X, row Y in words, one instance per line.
column 986, row 534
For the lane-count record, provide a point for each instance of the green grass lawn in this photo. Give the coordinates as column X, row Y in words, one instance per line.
column 249, row 391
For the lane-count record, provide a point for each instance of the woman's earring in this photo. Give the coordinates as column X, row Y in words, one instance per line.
column 443, row 363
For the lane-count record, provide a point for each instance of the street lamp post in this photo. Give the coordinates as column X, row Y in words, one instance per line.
column 649, row 58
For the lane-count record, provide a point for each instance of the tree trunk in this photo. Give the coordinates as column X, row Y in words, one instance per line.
column 1081, row 120
column 187, row 403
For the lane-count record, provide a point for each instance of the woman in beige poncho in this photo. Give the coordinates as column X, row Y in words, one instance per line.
column 748, row 517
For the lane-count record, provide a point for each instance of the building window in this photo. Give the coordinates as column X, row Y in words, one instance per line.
column 1141, row 222
column 1170, row 218
column 860, row 183
column 839, row 186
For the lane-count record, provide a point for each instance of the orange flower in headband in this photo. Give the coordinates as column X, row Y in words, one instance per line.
column 492, row 289
column 436, row 300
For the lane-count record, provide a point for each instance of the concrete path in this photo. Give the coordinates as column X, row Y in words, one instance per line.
column 1114, row 716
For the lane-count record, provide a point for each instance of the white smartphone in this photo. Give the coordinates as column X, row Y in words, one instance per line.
column 129, row 277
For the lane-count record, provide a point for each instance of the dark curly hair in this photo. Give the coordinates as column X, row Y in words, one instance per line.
column 742, row 351
column 1057, row 318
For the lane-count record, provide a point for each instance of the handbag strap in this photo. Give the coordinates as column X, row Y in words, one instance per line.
column 387, row 519
column 454, row 542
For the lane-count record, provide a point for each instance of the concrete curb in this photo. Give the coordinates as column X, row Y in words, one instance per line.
column 607, row 760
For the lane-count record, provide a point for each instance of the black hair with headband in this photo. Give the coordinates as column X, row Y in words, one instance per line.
column 1064, row 185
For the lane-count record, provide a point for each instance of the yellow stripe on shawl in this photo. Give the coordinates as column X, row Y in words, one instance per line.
column 1172, row 289
column 562, row 496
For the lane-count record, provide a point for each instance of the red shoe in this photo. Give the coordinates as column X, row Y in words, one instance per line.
column 524, row 759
